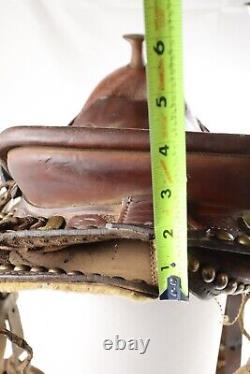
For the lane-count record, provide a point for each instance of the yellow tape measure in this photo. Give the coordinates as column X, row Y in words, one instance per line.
column 163, row 23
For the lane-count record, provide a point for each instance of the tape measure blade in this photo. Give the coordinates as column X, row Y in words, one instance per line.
column 163, row 24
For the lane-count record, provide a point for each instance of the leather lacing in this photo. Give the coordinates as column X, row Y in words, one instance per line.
column 240, row 319
column 21, row 343
column 239, row 316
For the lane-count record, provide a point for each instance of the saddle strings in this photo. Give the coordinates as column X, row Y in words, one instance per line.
column 239, row 317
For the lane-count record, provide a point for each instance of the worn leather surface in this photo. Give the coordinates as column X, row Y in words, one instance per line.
column 104, row 178
column 97, row 171
column 119, row 100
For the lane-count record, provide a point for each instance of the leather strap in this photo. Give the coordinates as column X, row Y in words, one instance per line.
column 229, row 359
column 9, row 313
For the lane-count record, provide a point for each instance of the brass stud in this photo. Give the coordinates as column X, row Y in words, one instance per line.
column 224, row 235
column 55, row 271
column 231, row 287
column 74, row 272
column 244, row 240
column 21, row 268
column 240, row 289
column 193, row 264
column 38, row 269
column 208, row 274
column 53, row 223
column 6, row 268
column 221, row 281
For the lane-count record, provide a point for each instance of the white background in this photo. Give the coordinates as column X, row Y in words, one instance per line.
column 53, row 53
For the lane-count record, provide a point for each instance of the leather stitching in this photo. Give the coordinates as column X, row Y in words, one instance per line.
column 124, row 212
column 153, row 268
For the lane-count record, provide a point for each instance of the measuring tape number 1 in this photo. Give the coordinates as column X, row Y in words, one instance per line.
column 163, row 24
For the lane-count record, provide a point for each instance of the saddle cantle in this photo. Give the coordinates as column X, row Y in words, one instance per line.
column 77, row 203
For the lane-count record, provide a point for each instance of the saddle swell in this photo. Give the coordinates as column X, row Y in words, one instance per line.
column 94, row 175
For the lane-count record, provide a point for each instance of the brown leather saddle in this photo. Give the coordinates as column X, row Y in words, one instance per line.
column 77, row 206
column 76, row 201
